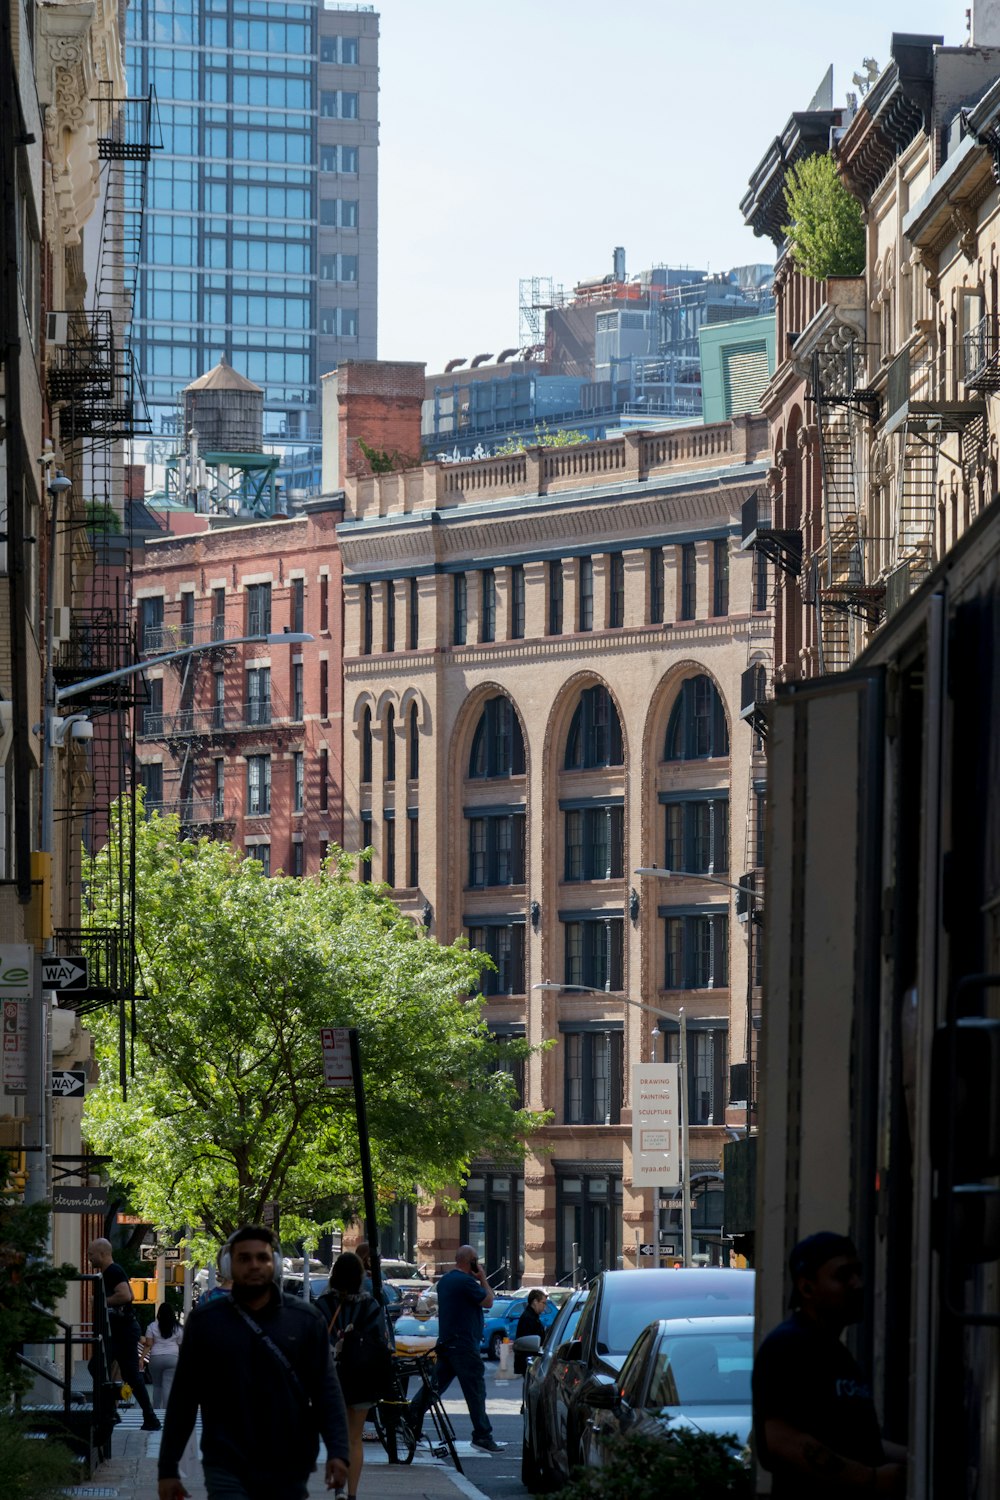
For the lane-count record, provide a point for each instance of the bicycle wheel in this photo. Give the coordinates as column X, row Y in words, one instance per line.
column 394, row 1433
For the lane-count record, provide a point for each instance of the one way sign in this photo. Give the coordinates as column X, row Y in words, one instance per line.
column 68, row 972
column 71, row 1083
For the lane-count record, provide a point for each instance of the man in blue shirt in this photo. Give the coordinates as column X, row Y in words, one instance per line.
column 463, row 1295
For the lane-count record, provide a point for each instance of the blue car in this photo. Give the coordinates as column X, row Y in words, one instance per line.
column 500, row 1322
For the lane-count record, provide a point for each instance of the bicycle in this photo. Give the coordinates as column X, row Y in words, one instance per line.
column 389, row 1416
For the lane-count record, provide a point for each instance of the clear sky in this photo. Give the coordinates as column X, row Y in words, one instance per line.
column 529, row 137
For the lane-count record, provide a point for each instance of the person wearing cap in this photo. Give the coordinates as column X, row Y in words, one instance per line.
column 814, row 1418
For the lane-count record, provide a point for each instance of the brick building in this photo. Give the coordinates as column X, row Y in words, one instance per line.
column 542, row 661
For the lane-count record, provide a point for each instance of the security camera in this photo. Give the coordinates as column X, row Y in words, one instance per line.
column 82, row 729
column 48, row 457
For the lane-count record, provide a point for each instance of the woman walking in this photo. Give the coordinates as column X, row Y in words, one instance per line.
column 161, row 1347
column 360, row 1349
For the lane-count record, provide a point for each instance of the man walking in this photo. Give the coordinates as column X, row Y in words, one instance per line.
column 261, row 1370
column 813, row 1415
column 463, row 1295
column 125, row 1331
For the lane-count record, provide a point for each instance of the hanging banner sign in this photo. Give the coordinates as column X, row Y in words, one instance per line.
column 655, row 1125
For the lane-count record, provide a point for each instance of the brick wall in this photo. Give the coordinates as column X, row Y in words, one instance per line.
column 378, row 401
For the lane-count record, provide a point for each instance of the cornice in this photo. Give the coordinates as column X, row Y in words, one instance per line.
column 66, row 79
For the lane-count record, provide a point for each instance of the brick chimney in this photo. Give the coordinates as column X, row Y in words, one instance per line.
column 379, row 401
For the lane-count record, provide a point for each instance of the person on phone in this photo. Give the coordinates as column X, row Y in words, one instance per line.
column 463, row 1296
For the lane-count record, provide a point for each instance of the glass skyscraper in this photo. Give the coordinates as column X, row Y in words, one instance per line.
column 261, row 230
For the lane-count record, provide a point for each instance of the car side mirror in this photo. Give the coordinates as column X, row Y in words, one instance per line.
column 603, row 1395
column 528, row 1343
column 570, row 1351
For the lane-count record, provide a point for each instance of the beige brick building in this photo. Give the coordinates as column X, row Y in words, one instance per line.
column 543, row 656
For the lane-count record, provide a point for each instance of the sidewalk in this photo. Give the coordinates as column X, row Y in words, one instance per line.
column 131, row 1473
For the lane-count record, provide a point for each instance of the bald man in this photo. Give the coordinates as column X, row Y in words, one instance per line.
column 463, row 1296
column 125, row 1331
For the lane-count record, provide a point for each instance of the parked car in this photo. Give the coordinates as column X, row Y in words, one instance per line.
column 619, row 1305
column 680, row 1372
column 414, row 1335
column 539, row 1387
column 500, row 1322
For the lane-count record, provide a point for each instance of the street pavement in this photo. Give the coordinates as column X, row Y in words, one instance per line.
column 130, row 1474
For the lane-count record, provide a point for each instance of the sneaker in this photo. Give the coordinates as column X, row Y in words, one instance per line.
column 152, row 1424
column 488, row 1445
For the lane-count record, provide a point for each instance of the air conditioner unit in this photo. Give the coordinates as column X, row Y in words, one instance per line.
column 56, row 328
column 61, row 623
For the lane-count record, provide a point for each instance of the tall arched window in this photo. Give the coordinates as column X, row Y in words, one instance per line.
column 595, row 732
column 390, row 744
column 413, row 748
column 366, row 745
column 498, row 744
column 697, row 729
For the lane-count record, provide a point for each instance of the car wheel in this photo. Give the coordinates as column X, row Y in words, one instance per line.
column 493, row 1347
column 533, row 1476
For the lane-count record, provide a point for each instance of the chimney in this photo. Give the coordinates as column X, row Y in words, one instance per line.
column 378, row 401
column 986, row 23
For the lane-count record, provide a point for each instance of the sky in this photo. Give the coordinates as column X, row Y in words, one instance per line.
column 527, row 138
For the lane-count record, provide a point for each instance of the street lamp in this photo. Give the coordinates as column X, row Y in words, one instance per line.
column 747, row 889
column 680, row 1020
column 56, row 730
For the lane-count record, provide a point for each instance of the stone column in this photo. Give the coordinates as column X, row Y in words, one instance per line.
column 636, row 587
column 536, row 602
column 703, row 577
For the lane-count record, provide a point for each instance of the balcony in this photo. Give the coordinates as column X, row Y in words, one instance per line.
column 107, row 953
column 783, row 547
column 916, row 390
column 158, row 639
column 201, row 815
column 982, row 358
column 753, row 698
column 99, row 641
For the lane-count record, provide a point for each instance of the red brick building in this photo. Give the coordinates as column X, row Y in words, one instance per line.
column 245, row 742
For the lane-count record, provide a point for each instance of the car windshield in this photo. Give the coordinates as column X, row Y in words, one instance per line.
column 702, row 1369
column 630, row 1302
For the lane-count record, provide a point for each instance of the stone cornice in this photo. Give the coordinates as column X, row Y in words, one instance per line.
column 892, row 115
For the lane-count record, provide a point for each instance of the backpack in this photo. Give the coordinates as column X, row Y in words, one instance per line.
column 360, row 1350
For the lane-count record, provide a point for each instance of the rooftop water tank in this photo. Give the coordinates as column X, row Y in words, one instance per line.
column 226, row 410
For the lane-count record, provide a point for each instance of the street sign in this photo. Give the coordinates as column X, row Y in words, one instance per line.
column 15, row 969
column 655, row 1122
column 337, row 1069
column 15, row 1045
column 79, row 1200
column 65, row 973
column 645, row 1249
column 70, row 1083
column 154, row 1252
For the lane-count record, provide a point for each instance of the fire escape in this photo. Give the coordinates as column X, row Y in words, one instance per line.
column 94, row 392
column 842, row 597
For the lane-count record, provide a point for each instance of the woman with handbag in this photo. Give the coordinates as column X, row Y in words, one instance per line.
column 161, row 1347
column 361, row 1352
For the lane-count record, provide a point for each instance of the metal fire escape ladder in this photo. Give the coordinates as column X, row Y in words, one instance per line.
column 916, row 502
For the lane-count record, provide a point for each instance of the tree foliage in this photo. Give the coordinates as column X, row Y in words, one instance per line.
column 684, row 1464
column 27, row 1281
column 825, row 232
column 237, row 974
column 543, row 436
column 386, row 461
column 30, row 1469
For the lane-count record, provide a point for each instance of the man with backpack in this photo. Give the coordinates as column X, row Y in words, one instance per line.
column 259, row 1366
column 361, row 1352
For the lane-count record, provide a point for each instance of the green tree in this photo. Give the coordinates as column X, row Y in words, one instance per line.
column 238, row 973
column 28, row 1283
column 825, row 232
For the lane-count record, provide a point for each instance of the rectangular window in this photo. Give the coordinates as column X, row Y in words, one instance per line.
column 487, row 605
column 324, row 689
column 258, row 609
column 219, row 700
column 324, row 779
column 460, row 609
column 390, row 615
column 367, row 619
column 152, row 712
column 151, row 781
column 496, row 849
column 413, row 852
column 720, row 577
column 218, row 789
column 517, row 602
column 262, row 854
column 218, row 614
column 258, row 785
column 298, row 858
column 586, row 602
column 187, row 618
column 298, row 610
column 616, row 590
column 593, row 1075
column 688, row 581
column 505, row 946
column 759, row 581
column 655, row 557
column 697, row 952
column 595, row 954
column 324, row 602
column 413, row 615
column 298, row 781
column 151, row 624
column 298, row 700
column 389, row 851
column 258, row 704
column 697, row 836
column 595, row 845
column 556, row 597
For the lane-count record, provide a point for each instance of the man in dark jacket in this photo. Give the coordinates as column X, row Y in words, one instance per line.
column 260, row 1369
column 125, row 1331
column 530, row 1322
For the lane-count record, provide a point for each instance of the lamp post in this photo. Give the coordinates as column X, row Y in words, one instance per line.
column 55, row 730
column 749, row 891
column 680, row 1019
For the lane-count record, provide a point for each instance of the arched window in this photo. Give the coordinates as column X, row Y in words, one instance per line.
column 390, row 744
column 697, row 728
column 413, row 768
column 595, row 732
column 498, row 744
column 366, row 745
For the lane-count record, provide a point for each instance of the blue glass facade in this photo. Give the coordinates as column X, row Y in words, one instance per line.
column 231, row 261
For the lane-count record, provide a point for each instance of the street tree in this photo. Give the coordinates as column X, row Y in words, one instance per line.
column 237, row 973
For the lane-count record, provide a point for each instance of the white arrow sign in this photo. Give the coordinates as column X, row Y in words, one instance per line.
column 64, row 973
